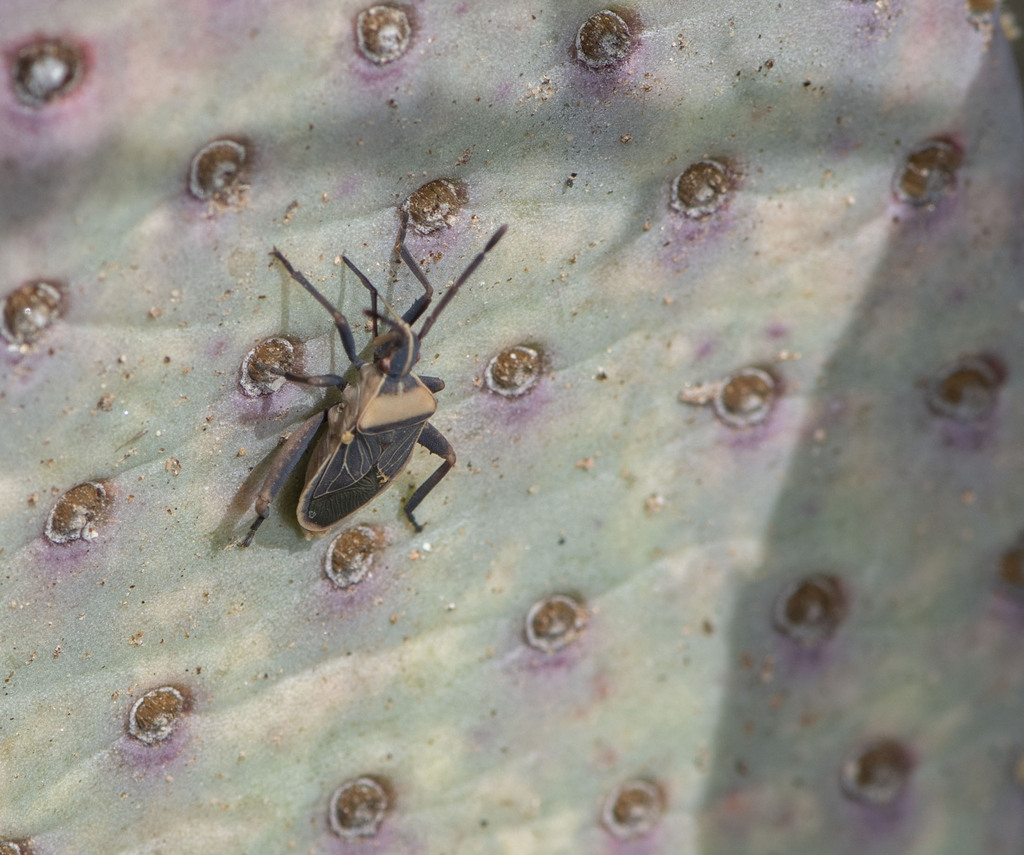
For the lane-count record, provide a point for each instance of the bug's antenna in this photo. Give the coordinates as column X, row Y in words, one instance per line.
column 407, row 353
column 384, row 319
column 473, row 265
column 340, row 322
column 373, row 290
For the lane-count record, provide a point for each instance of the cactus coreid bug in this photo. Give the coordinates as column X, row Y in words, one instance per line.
column 371, row 433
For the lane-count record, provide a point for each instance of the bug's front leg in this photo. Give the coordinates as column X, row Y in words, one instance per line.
column 433, row 441
column 284, row 464
column 434, row 384
column 321, row 380
column 419, row 306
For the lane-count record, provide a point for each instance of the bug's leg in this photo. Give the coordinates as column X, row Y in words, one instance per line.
column 284, row 464
column 374, row 294
column 419, row 306
column 344, row 330
column 433, row 441
column 306, row 379
column 451, row 292
column 434, row 384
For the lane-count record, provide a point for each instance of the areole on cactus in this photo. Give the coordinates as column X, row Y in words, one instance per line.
column 730, row 561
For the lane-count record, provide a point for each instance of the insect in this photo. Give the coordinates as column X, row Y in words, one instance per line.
column 371, row 433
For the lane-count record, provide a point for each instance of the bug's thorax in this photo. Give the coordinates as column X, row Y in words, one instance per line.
column 387, row 402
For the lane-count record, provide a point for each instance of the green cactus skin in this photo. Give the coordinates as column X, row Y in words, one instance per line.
column 681, row 706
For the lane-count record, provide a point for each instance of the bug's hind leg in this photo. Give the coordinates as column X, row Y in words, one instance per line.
column 284, row 464
column 433, row 441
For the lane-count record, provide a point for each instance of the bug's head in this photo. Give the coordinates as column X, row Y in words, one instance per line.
column 400, row 349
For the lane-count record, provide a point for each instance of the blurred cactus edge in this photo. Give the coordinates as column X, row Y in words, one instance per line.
column 731, row 557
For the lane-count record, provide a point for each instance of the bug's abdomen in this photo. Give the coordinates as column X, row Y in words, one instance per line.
column 358, row 473
column 325, row 510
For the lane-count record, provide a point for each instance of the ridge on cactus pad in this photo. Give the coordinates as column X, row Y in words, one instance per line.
column 730, row 561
